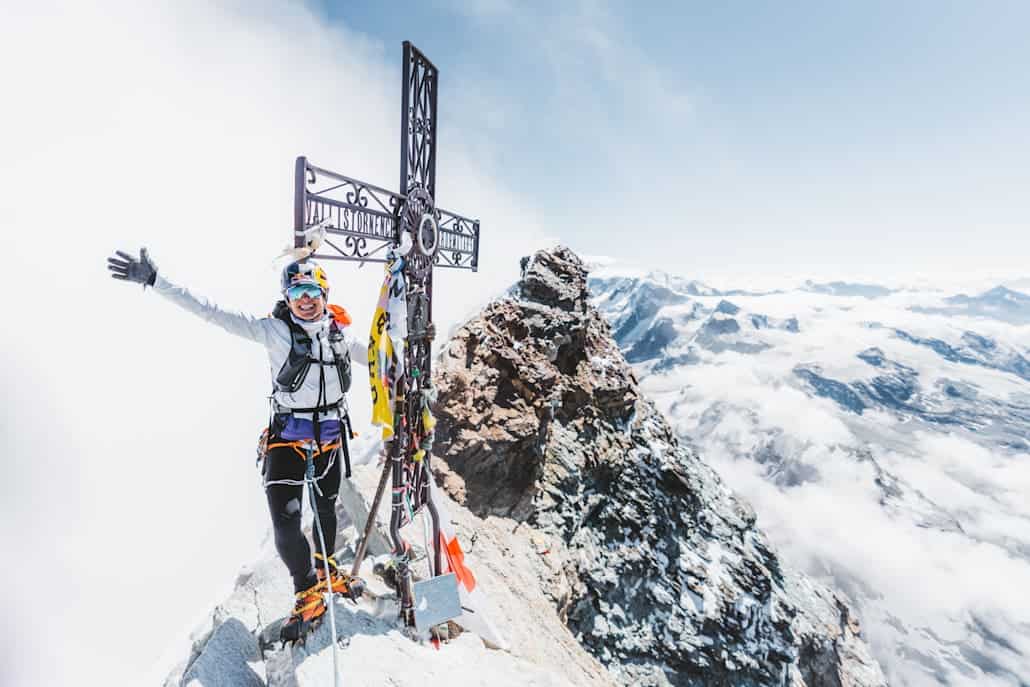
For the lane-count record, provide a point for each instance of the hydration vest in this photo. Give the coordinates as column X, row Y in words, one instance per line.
column 298, row 363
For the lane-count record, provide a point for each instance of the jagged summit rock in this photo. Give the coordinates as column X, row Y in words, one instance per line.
column 515, row 371
column 556, row 279
column 654, row 565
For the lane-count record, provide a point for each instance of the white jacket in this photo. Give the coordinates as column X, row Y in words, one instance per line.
column 274, row 335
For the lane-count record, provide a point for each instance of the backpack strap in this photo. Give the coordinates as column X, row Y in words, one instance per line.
column 298, row 361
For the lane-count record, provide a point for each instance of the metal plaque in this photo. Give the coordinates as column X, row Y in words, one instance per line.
column 436, row 601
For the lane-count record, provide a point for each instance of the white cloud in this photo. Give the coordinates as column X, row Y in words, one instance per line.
column 130, row 426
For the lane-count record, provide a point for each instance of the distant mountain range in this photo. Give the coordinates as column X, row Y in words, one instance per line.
column 840, row 288
column 999, row 303
column 692, row 287
column 1002, row 302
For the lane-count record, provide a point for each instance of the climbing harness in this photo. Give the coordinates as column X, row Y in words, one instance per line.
column 304, row 448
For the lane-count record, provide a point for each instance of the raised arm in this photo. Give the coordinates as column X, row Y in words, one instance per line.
column 144, row 271
column 240, row 324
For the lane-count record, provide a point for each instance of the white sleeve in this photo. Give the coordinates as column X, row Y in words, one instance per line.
column 249, row 327
column 358, row 349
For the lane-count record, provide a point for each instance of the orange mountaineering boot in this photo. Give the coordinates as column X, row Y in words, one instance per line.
column 307, row 614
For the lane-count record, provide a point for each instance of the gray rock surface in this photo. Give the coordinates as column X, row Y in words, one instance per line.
column 226, row 659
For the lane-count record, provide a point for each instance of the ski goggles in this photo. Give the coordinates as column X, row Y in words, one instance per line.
column 298, row 291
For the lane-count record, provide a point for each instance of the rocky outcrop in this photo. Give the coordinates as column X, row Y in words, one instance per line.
column 654, row 565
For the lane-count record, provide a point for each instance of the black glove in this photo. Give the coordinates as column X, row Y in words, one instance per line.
column 128, row 268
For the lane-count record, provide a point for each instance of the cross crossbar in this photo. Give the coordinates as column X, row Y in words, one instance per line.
column 367, row 217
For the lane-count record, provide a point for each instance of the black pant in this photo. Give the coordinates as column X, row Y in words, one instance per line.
column 284, row 504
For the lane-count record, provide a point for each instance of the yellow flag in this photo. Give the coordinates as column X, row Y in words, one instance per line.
column 389, row 323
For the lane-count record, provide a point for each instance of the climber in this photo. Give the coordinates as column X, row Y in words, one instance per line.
column 309, row 350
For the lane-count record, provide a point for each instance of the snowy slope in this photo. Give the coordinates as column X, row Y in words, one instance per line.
column 882, row 437
column 225, row 651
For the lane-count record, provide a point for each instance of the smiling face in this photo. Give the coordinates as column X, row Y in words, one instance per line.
column 306, row 301
column 308, row 308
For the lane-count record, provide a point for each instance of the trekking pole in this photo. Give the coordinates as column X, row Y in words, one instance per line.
column 309, row 477
column 371, row 521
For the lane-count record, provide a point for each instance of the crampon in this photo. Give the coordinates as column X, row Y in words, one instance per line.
column 307, row 615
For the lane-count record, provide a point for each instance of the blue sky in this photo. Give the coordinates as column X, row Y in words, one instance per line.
column 874, row 138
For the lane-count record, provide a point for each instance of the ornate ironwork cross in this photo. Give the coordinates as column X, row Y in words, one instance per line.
column 362, row 221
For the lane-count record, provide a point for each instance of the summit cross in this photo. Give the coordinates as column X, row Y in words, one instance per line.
column 361, row 222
